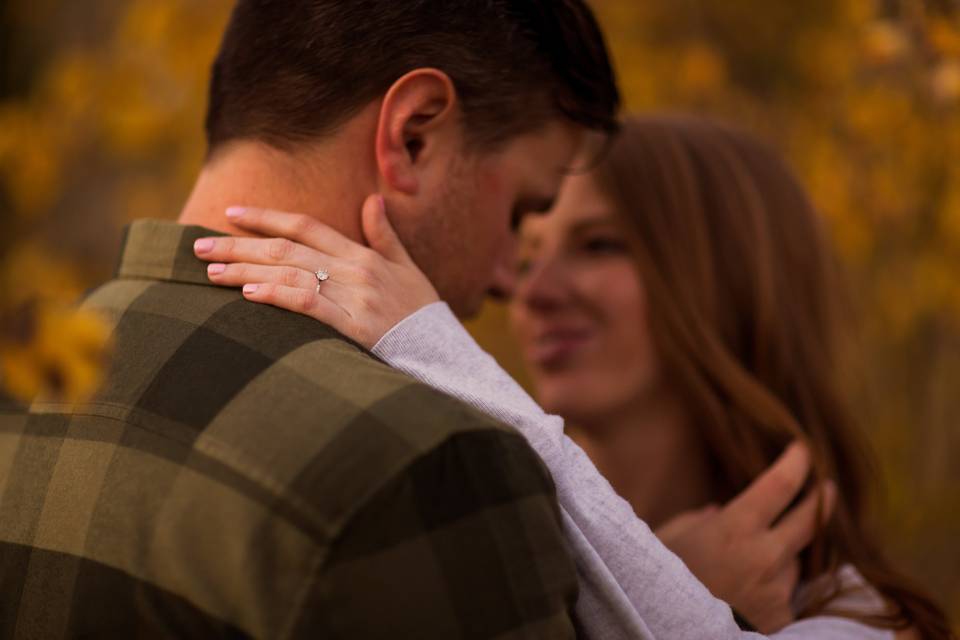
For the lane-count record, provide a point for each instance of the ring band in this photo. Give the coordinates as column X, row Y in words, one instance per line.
column 322, row 276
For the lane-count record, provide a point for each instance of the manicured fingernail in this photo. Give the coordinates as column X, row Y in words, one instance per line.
column 250, row 288
column 204, row 245
column 383, row 204
column 235, row 212
column 216, row 269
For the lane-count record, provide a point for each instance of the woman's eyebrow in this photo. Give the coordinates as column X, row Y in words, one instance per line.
column 592, row 222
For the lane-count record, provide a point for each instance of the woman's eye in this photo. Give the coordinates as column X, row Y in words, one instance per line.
column 604, row 245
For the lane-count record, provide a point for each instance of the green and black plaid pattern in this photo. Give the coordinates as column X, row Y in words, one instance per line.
column 248, row 472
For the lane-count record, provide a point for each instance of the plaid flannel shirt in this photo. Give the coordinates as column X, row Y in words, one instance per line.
column 248, row 472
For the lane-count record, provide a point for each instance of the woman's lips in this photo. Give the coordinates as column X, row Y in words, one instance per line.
column 555, row 347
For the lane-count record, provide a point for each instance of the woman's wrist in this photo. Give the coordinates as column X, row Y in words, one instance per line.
column 414, row 330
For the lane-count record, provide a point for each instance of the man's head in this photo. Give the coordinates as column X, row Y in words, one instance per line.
column 465, row 112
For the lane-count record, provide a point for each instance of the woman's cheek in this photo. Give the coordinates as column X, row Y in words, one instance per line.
column 627, row 347
column 618, row 296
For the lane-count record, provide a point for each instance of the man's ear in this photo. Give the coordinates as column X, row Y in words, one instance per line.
column 417, row 118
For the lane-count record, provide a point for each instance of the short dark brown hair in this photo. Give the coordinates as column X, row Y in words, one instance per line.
column 292, row 71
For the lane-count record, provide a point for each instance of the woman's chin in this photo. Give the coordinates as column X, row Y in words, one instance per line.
column 566, row 397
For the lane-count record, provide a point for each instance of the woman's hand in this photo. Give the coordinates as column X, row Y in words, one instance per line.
column 746, row 552
column 369, row 290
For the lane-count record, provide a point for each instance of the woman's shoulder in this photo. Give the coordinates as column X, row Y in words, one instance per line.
column 853, row 596
column 864, row 595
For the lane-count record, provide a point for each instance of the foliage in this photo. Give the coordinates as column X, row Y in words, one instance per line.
column 45, row 346
column 107, row 132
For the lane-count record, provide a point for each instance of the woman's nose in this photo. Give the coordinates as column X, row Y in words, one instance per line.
column 544, row 286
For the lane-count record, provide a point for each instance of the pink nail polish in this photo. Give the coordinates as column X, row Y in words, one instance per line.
column 204, row 245
column 216, row 269
column 235, row 212
column 250, row 288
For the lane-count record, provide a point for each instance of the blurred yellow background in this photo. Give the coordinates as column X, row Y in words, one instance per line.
column 101, row 106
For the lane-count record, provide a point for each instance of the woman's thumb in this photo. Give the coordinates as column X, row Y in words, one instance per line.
column 378, row 231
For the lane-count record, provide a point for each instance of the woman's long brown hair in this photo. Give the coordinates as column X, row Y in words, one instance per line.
column 744, row 292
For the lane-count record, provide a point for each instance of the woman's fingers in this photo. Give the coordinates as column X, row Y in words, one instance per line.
column 369, row 289
column 799, row 525
column 272, row 251
column 760, row 504
column 293, row 226
column 237, row 275
column 379, row 233
column 778, row 612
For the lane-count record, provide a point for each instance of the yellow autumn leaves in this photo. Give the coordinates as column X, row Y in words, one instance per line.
column 47, row 347
column 120, row 118
column 864, row 100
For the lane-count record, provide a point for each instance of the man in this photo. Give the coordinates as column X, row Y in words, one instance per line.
column 249, row 472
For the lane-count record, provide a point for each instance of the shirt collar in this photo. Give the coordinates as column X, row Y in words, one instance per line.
column 162, row 250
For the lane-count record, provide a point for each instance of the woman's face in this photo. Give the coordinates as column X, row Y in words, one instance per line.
column 580, row 308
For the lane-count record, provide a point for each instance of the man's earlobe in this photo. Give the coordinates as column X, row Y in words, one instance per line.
column 415, row 117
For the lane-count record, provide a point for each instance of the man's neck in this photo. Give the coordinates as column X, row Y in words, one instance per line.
column 328, row 184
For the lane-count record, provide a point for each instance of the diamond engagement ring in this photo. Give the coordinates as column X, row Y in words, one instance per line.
column 322, row 276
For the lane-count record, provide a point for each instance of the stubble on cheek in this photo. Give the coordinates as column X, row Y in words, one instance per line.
column 442, row 245
column 458, row 241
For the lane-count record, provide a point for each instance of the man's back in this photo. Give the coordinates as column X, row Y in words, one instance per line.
column 245, row 471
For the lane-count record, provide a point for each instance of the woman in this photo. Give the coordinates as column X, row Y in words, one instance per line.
column 694, row 369
column 678, row 309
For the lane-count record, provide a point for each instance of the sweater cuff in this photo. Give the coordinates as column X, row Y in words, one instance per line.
column 429, row 324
